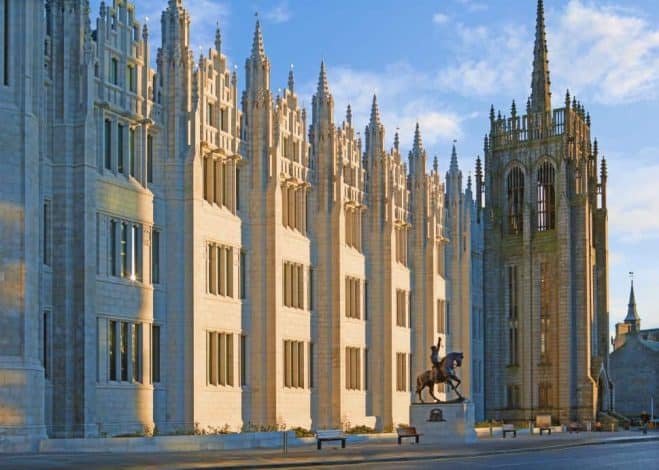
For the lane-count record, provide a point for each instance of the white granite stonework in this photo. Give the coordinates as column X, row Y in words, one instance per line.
column 182, row 251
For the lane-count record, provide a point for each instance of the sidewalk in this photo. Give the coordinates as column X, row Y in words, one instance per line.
column 307, row 455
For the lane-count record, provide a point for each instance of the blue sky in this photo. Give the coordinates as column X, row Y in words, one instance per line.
column 444, row 62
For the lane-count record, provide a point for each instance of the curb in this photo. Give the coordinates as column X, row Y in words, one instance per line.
column 324, row 463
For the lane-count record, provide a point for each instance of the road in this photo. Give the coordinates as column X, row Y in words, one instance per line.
column 642, row 455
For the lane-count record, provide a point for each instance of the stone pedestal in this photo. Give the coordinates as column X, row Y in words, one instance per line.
column 457, row 424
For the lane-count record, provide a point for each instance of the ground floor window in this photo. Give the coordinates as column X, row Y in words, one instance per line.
column 294, row 364
column 124, row 351
column 219, row 358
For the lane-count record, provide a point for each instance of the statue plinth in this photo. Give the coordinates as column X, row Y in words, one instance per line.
column 444, row 422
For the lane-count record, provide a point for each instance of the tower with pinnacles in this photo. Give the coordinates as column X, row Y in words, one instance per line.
column 545, row 257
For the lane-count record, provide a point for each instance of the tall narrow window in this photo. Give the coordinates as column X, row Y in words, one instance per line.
column 136, row 253
column 243, row 360
column 512, row 396
column 155, row 353
column 365, row 300
column 155, row 257
column 365, row 369
column 310, row 289
column 512, row 315
column 447, row 318
column 108, row 144
column 131, row 151
column 441, row 316
column 149, row 159
column 515, row 183
column 353, row 298
column 401, row 307
column 120, row 148
column 546, row 285
column 45, row 357
column 130, row 76
column 294, row 364
column 136, row 352
column 114, row 71
column 123, row 344
column 243, row 275
column 5, row 42
column 546, row 198
column 237, row 189
column 112, row 347
column 352, row 368
column 544, row 395
column 46, row 233
column 212, row 269
column 401, row 372
column 113, row 247
column 124, row 249
column 311, row 368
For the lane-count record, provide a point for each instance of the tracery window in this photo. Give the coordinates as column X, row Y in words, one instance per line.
column 515, row 186
column 546, row 198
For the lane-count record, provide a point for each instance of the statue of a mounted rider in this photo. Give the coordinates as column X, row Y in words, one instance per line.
column 443, row 371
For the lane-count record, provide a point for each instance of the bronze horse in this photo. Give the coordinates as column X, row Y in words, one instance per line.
column 446, row 375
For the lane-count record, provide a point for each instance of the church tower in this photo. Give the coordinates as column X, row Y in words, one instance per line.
column 545, row 257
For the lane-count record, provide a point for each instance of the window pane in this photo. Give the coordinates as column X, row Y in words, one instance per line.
column 112, row 347
column 155, row 353
column 124, row 351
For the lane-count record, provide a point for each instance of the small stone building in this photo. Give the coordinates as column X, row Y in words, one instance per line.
column 634, row 365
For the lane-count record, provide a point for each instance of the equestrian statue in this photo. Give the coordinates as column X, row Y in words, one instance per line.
column 443, row 371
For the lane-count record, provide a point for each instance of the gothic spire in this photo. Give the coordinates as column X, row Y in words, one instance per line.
column 291, row 80
column 375, row 112
column 323, row 87
column 540, row 83
column 258, row 51
column 396, row 141
column 632, row 314
column 418, row 143
column 349, row 115
column 218, row 38
column 454, row 160
column 435, row 164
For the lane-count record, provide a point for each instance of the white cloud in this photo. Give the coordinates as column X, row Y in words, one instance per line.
column 488, row 61
column 279, row 14
column 440, row 18
column 605, row 54
column 609, row 52
column 405, row 96
column 633, row 211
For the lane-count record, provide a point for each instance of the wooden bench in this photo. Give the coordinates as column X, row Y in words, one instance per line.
column 407, row 431
column 544, row 423
column 509, row 428
column 330, row 435
column 573, row 427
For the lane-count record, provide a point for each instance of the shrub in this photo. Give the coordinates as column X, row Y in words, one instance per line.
column 360, row 429
column 302, row 432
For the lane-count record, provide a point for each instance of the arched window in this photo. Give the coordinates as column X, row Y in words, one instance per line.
column 546, row 198
column 515, row 200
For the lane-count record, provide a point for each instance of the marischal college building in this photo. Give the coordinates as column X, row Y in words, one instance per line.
column 177, row 254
